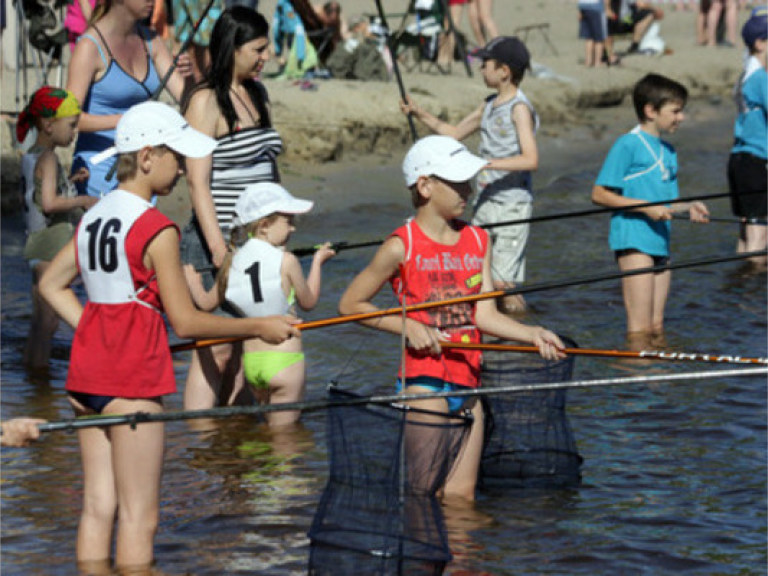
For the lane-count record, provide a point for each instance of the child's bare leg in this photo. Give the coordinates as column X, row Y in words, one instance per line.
column 94, row 533
column 637, row 341
column 421, row 439
column 712, row 17
column 462, row 479
column 474, row 22
column 637, row 292
column 286, row 386
column 598, row 54
column 661, row 283
column 137, row 456
column 589, row 53
column 204, row 378
column 42, row 327
column 756, row 238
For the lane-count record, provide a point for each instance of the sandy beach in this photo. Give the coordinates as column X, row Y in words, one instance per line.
column 343, row 119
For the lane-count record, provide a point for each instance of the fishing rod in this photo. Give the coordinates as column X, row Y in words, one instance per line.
column 543, row 218
column 711, row 219
column 195, row 344
column 136, row 418
column 174, row 64
column 396, row 67
column 655, row 354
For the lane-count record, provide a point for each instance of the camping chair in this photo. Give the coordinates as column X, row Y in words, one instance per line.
column 542, row 31
column 422, row 38
column 39, row 27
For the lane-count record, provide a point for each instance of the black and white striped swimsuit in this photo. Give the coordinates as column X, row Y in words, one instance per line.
column 241, row 158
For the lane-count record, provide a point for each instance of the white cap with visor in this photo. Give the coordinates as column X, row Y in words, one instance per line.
column 156, row 124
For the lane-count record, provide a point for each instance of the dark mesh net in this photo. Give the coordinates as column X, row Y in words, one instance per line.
column 379, row 513
column 528, row 441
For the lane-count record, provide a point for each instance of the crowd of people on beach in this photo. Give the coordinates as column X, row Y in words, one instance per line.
column 601, row 22
column 228, row 274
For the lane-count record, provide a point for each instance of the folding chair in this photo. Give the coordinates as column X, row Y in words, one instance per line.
column 421, row 39
column 543, row 32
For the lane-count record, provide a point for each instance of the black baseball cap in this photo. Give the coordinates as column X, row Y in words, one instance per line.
column 508, row 50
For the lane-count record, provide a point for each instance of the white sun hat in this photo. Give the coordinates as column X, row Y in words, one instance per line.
column 441, row 156
column 265, row 198
column 155, row 124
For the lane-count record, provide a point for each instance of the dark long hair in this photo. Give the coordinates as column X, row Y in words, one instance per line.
column 236, row 26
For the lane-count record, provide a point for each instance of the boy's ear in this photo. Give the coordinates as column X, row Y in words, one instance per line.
column 649, row 112
column 423, row 186
column 144, row 158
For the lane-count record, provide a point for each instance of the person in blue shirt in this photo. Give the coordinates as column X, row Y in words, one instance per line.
column 642, row 168
column 747, row 174
column 287, row 28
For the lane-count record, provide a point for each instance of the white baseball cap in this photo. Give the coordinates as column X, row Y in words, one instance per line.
column 154, row 124
column 265, row 198
column 441, row 156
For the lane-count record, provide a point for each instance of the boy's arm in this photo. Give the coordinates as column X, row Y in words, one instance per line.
column 55, row 285
column 162, row 255
column 307, row 291
column 603, row 196
column 528, row 159
column 490, row 321
column 204, row 299
column 357, row 298
column 467, row 126
column 697, row 211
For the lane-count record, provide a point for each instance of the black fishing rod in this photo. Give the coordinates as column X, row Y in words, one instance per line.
column 395, row 66
column 732, row 220
column 184, row 47
column 546, row 217
column 136, row 418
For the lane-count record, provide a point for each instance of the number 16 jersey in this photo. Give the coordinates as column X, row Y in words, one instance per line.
column 120, row 346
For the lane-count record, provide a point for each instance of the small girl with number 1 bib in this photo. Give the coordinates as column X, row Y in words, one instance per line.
column 259, row 277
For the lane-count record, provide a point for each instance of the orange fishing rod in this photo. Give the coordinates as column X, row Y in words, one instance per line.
column 193, row 345
column 655, row 354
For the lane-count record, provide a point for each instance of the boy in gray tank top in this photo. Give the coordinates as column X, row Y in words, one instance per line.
column 507, row 123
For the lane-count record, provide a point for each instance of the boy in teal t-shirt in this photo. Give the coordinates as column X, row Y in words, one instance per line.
column 642, row 168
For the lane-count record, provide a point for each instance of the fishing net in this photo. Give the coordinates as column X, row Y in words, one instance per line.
column 528, row 440
column 379, row 514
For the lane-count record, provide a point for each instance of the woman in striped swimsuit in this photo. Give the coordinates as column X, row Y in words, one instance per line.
column 233, row 107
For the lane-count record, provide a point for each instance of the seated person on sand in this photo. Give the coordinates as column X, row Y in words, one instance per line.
column 627, row 17
column 361, row 56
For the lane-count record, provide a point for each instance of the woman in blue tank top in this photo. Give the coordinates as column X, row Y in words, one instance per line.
column 115, row 65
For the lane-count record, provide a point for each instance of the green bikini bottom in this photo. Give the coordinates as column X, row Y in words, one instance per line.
column 261, row 367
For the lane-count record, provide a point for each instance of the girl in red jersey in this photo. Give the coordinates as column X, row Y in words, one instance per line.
column 436, row 256
column 127, row 254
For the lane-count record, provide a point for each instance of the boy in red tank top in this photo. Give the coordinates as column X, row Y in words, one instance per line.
column 436, row 256
column 127, row 254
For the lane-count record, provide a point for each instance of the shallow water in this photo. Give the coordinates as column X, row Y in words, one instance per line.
column 674, row 473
